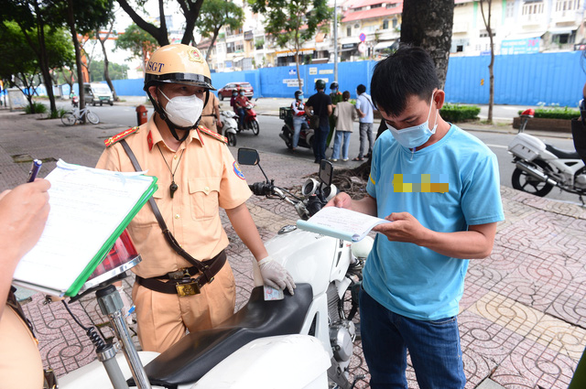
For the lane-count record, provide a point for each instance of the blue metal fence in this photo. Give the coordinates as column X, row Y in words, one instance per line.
column 524, row 79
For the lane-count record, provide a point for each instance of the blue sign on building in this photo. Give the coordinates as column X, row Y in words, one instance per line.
column 520, row 46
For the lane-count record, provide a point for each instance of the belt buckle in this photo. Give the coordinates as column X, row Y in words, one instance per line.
column 187, row 288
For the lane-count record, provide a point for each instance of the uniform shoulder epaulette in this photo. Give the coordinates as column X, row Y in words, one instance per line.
column 213, row 134
column 118, row 137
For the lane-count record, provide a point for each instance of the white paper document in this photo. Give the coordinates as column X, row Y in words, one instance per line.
column 341, row 223
column 88, row 206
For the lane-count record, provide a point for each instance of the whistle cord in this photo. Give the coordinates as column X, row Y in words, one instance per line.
column 173, row 187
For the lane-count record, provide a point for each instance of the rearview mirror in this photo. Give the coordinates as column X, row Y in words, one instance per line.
column 325, row 172
column 248, row 156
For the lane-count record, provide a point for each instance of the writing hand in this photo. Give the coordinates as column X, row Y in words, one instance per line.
column 23, row 213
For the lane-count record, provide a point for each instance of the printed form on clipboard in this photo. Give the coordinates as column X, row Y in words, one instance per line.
column 341, row 223
column 90, row 208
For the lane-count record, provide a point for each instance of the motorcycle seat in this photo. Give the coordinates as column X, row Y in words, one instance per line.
column 562, row 154
column 194, row 355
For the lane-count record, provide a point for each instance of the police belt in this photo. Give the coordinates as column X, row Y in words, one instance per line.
column 181, row 281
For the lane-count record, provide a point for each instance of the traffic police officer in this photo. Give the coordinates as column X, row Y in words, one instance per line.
column 196, row 176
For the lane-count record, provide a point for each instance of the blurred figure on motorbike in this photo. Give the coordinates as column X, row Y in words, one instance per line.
column 240, row 103
column 299, row 118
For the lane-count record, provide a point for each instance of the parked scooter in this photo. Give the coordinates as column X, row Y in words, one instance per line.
column 540, row 166
column 250, row 121
column 301, row 341
column 230, row 126
column 305, row 134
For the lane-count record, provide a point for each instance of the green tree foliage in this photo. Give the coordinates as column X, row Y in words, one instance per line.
column 117, row 71
column 24, row 63
column 138, row 42
column 291, row 23
column 215, row 14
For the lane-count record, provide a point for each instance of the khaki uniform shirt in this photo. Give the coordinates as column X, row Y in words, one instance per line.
column 207, row 178
column 208, row 115
column 20, row 360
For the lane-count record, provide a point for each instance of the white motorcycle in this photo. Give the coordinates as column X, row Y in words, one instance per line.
column 302, row 341
column 540, row 166
column 230, row 126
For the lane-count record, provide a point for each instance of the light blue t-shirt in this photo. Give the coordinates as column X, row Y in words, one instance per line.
column 364, row 103
column 415, row 281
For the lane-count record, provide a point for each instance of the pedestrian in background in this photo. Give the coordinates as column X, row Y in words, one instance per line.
column 336, row 97
column 345, row 114
column 365, row 109
column 320, row 105
column 299, row 119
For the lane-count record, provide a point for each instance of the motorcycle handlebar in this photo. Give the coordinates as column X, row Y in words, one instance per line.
column 261, row 188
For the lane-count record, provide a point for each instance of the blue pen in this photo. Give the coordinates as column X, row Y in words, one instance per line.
column 35, row 167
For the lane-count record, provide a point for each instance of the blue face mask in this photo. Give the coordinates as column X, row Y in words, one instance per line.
column 300, row 97
column 412, row 137
column 241, row 93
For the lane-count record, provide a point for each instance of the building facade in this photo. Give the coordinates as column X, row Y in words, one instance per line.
column 370, row 29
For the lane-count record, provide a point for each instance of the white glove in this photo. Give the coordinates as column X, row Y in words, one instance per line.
column 275, row 275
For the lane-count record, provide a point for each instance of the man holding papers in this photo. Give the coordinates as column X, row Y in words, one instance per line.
column 440, row 188
column 184, row 281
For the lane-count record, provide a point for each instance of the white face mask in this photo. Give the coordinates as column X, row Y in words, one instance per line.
column 415, row 136
column 183, row 111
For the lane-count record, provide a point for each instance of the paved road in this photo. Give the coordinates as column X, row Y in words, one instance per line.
column 268, row 139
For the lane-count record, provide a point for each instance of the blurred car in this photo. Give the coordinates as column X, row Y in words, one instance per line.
column 226, row 91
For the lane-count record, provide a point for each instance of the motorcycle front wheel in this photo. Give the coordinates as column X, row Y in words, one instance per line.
column 254, row 127
column 524, row 181
column 68, row 119
column 231, row 139
column 93, row 118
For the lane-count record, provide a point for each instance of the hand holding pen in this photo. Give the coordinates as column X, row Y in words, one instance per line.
column 35, row 167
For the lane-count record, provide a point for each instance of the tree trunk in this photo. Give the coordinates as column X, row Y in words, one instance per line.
column 72, row 29
column 106, row 62
column 160, row 33
column 487, row 24
column 428, row 24
column 44, row 62
column 214, row 37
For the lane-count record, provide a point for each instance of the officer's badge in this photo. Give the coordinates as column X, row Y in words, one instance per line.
column 195, row 55
column 238, row 171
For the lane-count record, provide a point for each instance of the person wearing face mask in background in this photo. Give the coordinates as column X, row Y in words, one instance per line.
column 240, row 104
column 187, row 285
column 439, row 187
column 299, row 118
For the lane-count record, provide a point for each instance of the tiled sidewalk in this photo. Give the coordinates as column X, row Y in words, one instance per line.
column 522, row 318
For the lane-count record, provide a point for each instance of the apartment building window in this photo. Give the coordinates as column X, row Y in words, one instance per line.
column 484, row 33
column 395, row 22
column 393, row 5
column 229, row 47
column 532, row 8
column 385, row 24
column 348, row 31
column 510, row 10
column 567, row 5
column 238, row 48
column 375, row 6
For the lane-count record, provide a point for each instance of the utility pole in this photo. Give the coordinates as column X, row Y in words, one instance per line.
column 335, row 42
